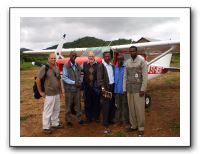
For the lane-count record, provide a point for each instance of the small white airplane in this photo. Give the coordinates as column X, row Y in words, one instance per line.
column 157, row 66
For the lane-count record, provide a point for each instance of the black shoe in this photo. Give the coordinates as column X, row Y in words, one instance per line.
column 47, row 131
column 69, row 125
column 81, row 122
column 140, row 133
column 107, row 131
column 58, row 126
column 131, row 129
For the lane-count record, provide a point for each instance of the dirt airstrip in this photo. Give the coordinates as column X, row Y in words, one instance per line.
column 162, row 117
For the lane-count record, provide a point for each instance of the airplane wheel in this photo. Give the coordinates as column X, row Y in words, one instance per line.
column 147, row 101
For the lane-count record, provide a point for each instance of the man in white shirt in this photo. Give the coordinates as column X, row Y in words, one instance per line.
column 105, row 79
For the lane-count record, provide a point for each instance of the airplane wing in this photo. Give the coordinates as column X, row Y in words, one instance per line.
column 156, row 46
column 53, row 50
column 148, row 47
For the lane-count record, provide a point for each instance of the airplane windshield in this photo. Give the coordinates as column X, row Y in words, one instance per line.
column 98, row 51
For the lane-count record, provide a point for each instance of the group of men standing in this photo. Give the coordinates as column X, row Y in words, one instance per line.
column 112, row 94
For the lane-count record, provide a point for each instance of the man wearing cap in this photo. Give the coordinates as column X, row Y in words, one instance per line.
column 135, row 84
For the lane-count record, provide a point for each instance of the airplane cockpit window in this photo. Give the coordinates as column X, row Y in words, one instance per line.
column 98, row 51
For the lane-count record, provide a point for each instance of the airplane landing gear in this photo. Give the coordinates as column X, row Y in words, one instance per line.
column 147, row 100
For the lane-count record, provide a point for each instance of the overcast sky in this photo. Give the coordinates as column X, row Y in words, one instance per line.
column 40, row 33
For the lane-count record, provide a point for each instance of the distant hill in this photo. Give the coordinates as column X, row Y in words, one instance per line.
column 91, row 42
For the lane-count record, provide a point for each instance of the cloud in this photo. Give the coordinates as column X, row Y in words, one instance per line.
column 38, row 32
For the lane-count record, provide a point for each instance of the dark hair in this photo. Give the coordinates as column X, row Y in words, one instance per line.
column 133, row 47
column 120, row 56
column 106, row 52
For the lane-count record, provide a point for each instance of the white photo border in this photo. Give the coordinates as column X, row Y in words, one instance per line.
column 185, row 125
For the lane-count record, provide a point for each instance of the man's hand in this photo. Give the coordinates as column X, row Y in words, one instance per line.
column 42, row 94
column 78, row 85
column 125, row 93
column 102, row 90
column 141, row 93
column 61, row 95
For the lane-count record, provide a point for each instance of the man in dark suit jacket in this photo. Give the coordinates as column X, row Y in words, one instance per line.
column 91, row 90
column 105, row 79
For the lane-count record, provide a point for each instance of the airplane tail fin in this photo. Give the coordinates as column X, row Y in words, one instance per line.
column 59, row 48
column 164, row 61
column 161, row 66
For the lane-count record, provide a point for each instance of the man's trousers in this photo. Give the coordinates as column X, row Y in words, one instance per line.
column 121, row 113
column 92, row 104
column 70, row 98
column 51, row 111
column 136, row 106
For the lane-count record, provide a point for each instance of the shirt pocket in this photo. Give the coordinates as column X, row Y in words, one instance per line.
column 134, row 75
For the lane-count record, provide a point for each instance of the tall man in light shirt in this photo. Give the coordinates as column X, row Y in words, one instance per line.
column 52, row 93
column 72, row 84
column 105, row 79
column 135, row 84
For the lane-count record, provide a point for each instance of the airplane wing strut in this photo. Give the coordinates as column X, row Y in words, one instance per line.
column 162, row 55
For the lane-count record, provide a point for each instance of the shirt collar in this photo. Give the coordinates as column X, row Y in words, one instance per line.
column 73, row 64
column 92, row 63
column 106, row 64
column 121, row 66
column 70, row 64
column 134, row 59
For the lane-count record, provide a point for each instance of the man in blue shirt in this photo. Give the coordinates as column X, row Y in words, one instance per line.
column 121, row 113
column 72, row 84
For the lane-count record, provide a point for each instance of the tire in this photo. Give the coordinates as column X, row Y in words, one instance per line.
column 147, row 101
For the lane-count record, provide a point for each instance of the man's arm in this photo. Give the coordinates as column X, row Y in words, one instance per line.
column 144, row 78
column 60, row 88
column 124, row 80
column 100, row 75
column 38, row 82
column 79, row 82
column 59, row 80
